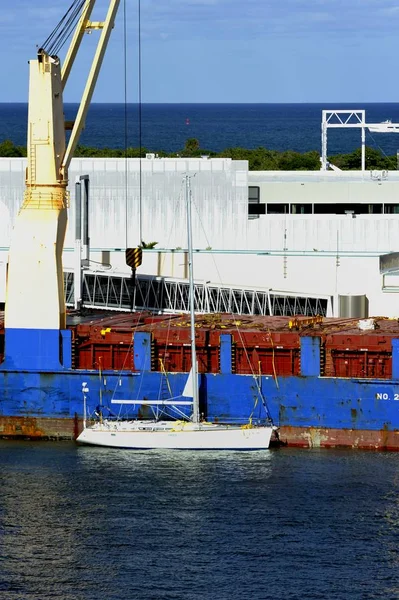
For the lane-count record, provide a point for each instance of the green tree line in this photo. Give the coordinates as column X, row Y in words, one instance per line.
column 259, row 159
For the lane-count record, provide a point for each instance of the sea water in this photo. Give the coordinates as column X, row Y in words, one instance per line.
column 81, row 523
column 166, row 127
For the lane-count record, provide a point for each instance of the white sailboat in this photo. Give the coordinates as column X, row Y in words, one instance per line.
column 192, row 434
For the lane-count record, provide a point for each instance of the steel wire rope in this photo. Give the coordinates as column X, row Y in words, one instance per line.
column 61, row 32
column 376, row 144
column 369, row 134
column 126, row 124
column 125, row 119
column 126, row 179
column 163, row 259
column 141, row 312
column 125, row 182
column 140, row 124
column 140, row 168
column 177, row 204
column 120, row 372
column 58, row 26
column 259, row 390
column 66, row 34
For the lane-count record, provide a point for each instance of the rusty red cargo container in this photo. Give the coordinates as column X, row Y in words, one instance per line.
column 263, row 345
column 354, row 355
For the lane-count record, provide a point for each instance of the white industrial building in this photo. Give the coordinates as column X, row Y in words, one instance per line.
column 316, row 233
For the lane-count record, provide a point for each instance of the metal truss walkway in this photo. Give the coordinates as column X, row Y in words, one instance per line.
column 114, row 291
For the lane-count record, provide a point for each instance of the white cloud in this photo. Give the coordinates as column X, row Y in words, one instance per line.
column 216, row 19
column 224, row 19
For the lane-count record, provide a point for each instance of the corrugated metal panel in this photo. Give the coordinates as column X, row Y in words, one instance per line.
column 115, row 205
column 220, row 194
column 220, row 191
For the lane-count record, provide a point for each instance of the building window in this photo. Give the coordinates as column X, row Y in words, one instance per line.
column 391, row 209
column 301, row 209
column 375, row 209
column 254, row 210
column 254, row 202
column 278, row 209
column 347, row 209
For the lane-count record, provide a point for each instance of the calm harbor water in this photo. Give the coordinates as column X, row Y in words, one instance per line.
column 216, row 126
column 98, row 524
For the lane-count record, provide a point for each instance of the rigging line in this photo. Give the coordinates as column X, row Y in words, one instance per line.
column 140, row 125
column 148, row 290
column 58, row 38
column 232, row 314
column 175, row 220
column 125, row 109
column 177, row 205
column 239, row 333
column 128, row 355
column 377, row 144
column 58, row 26
column 55, row 50
column 58, row 44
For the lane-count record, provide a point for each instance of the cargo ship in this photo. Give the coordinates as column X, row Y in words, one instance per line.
column 326, row 382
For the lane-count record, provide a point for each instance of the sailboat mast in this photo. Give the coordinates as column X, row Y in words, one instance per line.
column 194, row 367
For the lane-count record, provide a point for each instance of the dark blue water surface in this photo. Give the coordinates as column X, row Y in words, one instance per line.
column 98, row 524
column 216, row 126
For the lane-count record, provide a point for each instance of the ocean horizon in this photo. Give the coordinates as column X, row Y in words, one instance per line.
column 217, row 126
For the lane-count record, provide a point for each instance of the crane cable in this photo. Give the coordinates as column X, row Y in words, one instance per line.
column 62, row 31
column 125, row 120
column 140, row 119
column 140, row 125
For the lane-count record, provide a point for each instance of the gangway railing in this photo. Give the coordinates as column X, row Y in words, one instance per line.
column 117, row 291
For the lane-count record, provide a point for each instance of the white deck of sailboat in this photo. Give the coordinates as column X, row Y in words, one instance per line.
column 153, row 425
column 180, row 435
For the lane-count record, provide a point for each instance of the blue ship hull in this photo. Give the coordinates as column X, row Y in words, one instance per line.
column 310, row 409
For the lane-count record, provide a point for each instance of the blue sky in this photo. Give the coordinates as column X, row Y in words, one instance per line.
column 222, row 50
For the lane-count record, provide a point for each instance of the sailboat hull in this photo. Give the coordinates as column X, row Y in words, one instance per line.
column 189, row 437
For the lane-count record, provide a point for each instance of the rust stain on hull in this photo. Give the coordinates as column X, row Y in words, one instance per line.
column 39, row 428
column 313, row 437
column 301, row 437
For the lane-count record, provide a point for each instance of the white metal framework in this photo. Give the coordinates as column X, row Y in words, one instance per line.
column 169, row 295
column 339, row 119
column 351, row 118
